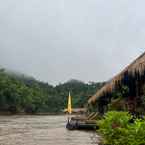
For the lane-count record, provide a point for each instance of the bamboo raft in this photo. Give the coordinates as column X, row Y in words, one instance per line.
column 82, row 123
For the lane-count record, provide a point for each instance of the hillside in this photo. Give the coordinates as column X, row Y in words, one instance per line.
column 19, row 93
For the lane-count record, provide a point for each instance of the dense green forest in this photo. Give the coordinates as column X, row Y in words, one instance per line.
column 22, row 94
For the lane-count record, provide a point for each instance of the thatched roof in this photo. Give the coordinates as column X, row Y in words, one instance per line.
column 138, row 66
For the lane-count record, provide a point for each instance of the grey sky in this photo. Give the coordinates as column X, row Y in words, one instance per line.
column 56, row 40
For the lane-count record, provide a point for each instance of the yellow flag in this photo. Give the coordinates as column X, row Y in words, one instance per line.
column 69, row 108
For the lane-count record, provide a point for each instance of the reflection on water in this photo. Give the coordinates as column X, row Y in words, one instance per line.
column 41, row 130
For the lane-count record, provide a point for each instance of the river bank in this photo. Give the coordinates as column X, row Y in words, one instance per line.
column 23, row 113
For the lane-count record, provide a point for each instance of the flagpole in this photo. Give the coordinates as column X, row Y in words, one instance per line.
column 69, row 107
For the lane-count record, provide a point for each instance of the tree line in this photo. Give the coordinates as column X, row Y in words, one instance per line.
column 22, row 94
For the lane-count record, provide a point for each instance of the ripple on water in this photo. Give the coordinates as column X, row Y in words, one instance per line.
column 41, row 130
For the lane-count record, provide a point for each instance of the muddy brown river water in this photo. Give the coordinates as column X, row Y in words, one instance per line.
column 41, row 130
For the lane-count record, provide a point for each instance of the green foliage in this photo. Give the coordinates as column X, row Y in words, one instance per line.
column 121, row 92
column 19, row 93
column 116, row 129
column 118, row 101
column 80, row 92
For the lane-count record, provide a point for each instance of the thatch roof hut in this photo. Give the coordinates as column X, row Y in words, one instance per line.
column 132, row 74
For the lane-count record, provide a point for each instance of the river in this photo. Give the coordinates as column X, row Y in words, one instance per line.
column 41, row 130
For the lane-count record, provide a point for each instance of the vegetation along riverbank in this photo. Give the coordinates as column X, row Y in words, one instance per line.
column 25, row 95
column 120, row 106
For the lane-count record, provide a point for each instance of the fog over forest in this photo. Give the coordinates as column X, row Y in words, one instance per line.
column 54, row 41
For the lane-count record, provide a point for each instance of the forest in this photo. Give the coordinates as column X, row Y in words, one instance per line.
column 22, row 94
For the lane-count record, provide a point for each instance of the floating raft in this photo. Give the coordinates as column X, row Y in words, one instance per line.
column 81, row 124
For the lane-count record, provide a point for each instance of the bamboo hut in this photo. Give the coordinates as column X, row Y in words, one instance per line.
column 133, row 76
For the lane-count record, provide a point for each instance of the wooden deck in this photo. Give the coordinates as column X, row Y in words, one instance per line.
column 82, row 122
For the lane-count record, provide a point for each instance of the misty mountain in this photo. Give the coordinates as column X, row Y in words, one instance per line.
column 21, row 93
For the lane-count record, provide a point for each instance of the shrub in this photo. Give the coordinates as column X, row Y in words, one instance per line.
column 116, row 129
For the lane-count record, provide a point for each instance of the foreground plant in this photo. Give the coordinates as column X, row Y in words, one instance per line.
column 116, row 129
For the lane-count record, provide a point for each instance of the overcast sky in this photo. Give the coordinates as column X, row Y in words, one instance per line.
column 57, row 40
